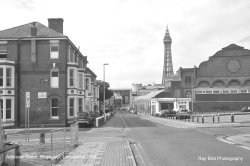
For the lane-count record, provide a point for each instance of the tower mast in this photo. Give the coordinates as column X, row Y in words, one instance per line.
column 168, row 65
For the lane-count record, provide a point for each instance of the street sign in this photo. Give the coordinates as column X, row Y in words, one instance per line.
column 27, row 103
column 42, row 95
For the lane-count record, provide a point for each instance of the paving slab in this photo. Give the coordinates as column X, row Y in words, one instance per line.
column 112, row 152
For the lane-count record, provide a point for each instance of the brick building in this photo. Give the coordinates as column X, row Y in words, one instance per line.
column 43, row 61
column 221, row 83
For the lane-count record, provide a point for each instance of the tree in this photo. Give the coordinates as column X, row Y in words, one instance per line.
column 108, row 93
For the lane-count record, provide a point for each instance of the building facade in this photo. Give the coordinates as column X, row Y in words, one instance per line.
column 45, row 63
column 122, row 97
column 222, row 83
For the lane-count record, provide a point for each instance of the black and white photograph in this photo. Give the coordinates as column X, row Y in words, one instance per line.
column 125, row 83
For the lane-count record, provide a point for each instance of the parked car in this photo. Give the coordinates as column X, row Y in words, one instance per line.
column 183, row 114
column 245, row 109
column 94, row 115
column 132, row 110
column 165, row 113
column 84, row 118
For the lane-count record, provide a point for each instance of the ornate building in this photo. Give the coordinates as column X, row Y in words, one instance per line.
column 222, row 83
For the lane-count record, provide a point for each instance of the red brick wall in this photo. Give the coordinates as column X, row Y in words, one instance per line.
column 36, row 78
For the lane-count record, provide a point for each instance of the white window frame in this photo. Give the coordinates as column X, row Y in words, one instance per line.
column 4, row 98
column 5, row 67
column 75, row 73
column 3, row 44
column 54, row 54
column 81, row 80
column 81, row 98
column 54, row 117
column 87, row 83
column 54, row 81
column 74, row 108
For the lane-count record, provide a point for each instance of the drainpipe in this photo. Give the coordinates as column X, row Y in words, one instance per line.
column 18, row 84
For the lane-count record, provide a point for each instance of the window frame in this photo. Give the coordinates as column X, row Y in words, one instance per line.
column 70, row 107
column 53, row 55
column 54, row 107
column 51, row 78
column 4, row 110
column 4, row 77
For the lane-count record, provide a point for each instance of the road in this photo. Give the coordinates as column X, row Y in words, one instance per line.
column 155, row 144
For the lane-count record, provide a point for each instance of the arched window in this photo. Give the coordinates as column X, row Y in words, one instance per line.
column 203, row 84
column 234, row 83
column 218, row 83
column 54, row 78
column 246, row 83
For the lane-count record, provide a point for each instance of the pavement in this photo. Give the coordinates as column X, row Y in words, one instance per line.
column 100, row 152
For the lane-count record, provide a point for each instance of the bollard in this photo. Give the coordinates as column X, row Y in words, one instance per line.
column 5, row 137
column 202, row 119
column 197, row 119
column 218, row 118
column 17, row 156
column 42, row 138
column 213, row 118
column 232, row 117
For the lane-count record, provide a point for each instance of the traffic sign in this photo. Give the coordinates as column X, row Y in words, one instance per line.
column 27, row 103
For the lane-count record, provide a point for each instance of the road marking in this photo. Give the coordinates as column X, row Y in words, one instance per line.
column 225, row 140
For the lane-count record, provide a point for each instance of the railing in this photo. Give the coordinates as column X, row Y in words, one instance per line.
column 49, row 144
column 7, row 157
column 215, row 118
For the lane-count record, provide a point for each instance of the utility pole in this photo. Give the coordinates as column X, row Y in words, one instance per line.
column 104, row 113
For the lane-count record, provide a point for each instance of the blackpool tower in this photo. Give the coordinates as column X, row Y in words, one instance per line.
column 168, row 65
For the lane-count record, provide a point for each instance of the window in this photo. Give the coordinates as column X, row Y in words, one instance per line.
column 7, row 108
column 54, row 49
column 1, row 107
column 87, row 84
column 80, row 105
column 75, row 57
column 80, row 81
column 6, row 76
column 70, row 55
column 188, row 79
column 1, row 76
column 71, row 106
column 54, row 108
column 54, row 78
column 71, row 77
column 3, row 49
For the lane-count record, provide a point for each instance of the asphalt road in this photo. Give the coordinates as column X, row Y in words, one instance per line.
column 159, row 145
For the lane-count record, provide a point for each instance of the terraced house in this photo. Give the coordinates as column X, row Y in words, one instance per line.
column 43, row 61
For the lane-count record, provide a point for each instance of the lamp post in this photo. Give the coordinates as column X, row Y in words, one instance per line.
column 104, row 113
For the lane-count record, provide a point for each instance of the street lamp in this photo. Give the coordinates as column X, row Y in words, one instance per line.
column 104, row 113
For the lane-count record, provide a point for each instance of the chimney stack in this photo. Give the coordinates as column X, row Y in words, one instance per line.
column 33, row 30
column 56, row 24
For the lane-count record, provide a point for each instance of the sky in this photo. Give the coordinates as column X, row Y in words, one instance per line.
column 128, row 34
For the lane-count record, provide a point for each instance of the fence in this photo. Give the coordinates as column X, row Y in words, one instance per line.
column 46, row 146
column 8, row 157
column 216, row 118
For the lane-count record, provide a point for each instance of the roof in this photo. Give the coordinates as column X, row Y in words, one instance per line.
column 150, row 95
column 23, row 31
column 89, row 71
